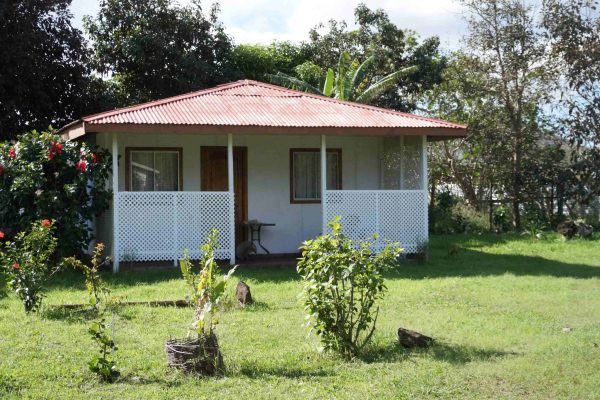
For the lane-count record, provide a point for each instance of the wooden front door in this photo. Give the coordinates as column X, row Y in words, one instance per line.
column 213, row 167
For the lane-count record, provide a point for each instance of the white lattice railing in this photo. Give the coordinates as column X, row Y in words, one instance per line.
column 395, row 215
column 159, row 225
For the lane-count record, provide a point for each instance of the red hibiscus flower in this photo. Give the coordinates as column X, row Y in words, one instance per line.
column 46, row 222
column 94, row 158
column 56, row 148
column 1, row 235
column 50, row 156
column 16, row 265
column 81, row 166
column 12, row 153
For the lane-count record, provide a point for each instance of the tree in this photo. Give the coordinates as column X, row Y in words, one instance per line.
column 574, row 34
column 44, row 77
column 503, row 35
column 395, row 49
column 475, row 163
column 351, row 81
column 153, row 49
column 258, row 61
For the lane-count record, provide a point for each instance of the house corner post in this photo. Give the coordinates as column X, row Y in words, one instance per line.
column 324, row 183
column 231, row 198
column 424, row 186
column 115, row 189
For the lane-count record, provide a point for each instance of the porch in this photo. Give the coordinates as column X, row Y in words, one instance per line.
column 380, row 191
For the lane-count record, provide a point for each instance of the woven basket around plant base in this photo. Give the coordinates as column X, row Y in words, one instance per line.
column 199, row 356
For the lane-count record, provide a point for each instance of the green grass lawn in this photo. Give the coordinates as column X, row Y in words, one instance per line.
column 497, row 310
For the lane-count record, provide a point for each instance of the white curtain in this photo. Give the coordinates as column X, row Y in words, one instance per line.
column 307, row 174
column 154, row 171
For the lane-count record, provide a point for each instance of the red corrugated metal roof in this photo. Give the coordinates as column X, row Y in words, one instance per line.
column 249, row 103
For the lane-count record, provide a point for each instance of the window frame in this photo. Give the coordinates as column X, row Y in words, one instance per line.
column 128, row 169
column 337, row 151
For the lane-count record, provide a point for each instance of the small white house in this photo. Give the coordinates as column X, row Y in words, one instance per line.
column 253, row 151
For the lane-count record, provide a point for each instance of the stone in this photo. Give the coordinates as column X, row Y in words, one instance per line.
column 567, row 228
column 242, row 293
column 410, row 338
column 585, row 230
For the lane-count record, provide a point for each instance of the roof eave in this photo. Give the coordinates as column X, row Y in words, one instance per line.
column 431, row 132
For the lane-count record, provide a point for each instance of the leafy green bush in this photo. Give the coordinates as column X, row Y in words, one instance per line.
column 467, row 219
column 43, row 176
column 27, row 262
column 451, row 215
column 343, row 281
column 502, row 218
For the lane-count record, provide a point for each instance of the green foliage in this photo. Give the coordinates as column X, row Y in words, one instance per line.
column 43, row 176
column 257, row 61
column 44, row 76
column 103, row 364
column 573, row 32
column 343, row 282
column 158, row 48
column 98, row 292
column 207, row 286
column 27, row 262
column 451, row 215
column 502, row 219
column 351, row 81
column 395, row 49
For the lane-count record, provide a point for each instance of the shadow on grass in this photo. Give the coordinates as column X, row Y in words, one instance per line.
column 450, row 256
column 470, row 263
column 59, row 313
column 440, row 351
column 254, row 371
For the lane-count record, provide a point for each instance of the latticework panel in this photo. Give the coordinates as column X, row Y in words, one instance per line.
column 394, row 215
column 159, row 225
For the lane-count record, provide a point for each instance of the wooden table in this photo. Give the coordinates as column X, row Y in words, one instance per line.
column 254, row 227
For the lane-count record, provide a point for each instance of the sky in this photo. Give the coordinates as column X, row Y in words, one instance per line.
column 262, row 21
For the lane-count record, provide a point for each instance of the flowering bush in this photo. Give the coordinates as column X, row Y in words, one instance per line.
column 26, row 262
column 43, row 176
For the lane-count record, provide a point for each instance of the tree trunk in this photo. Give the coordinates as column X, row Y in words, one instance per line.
column 516, row 181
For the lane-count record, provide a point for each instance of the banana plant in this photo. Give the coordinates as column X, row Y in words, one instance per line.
column 350, row 82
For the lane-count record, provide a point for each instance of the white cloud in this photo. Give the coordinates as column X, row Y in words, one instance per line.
column 262, row 21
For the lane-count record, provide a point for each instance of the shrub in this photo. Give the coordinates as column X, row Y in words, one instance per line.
column 27, row 261
column 502, row 218
column 43, row 176
column 343, row 281
column 102, row 364
column 468, row 219
column 201, row 354
column 98, row 293
column 207, row 286
column 450, row 215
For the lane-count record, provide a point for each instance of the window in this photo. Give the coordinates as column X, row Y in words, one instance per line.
column 305, row 174
column 153, row 169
